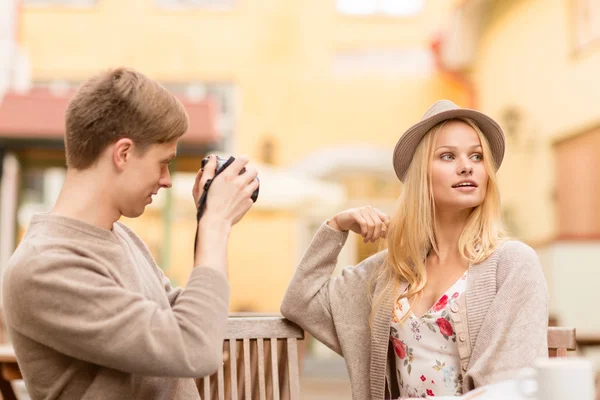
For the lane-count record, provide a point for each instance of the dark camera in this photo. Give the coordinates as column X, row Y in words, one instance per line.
column 221, row 165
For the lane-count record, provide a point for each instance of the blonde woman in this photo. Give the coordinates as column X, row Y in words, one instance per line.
column 452, row 303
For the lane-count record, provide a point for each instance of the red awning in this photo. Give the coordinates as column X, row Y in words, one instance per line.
column 40, row 114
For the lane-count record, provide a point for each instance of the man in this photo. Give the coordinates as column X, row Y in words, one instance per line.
column 90, row 314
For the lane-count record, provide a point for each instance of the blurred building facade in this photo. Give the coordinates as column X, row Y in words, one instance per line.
column 316, row 92
column 533, row 66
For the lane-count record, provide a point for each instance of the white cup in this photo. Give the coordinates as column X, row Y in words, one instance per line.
column 559, row 379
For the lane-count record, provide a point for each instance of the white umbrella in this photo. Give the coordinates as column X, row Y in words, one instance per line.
column 280, row 190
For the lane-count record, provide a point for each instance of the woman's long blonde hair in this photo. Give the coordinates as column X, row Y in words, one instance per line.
column 411, row 230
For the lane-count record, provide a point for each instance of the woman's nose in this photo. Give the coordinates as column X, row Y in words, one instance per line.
column 465, row 168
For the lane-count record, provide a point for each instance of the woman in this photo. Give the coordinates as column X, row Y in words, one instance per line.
column 452, row 304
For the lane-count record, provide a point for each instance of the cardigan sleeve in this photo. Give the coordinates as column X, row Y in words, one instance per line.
column 515, row 328
column 313, row 292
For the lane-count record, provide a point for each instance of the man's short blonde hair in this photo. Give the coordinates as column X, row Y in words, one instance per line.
column 120, row 103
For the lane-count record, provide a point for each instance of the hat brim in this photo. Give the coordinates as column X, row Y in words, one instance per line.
column 407, row 145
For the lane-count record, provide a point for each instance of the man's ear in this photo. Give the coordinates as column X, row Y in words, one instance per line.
column 122, row 152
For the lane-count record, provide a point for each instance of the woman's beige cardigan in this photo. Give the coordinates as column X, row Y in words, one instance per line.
column 501, row 320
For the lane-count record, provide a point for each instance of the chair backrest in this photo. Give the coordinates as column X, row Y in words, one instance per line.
column 251, row 377
column 266, row 368
column 260, row 357
column 560, row 340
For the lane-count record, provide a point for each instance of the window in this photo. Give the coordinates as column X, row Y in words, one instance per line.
column 577, row 185
column 390, row 63
column 196, row 3
column 223, row 94
column 39, row 190
column 585, row 22
column 400, row 8
column 57, row 87
column 68, row 3
column 32, row 181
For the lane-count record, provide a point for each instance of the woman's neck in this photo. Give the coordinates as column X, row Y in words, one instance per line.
column 448, row 229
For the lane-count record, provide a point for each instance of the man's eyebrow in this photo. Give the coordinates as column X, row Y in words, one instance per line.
column 171, row 157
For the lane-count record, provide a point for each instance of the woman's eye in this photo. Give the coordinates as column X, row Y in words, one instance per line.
column 447, row 157
column 477, row 157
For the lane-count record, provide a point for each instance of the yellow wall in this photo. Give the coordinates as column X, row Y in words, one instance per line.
column 263, row 258
column 263, row 252
column 279, row 55
column 526, row 60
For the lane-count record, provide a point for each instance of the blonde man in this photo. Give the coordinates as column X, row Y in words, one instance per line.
column 90, row 314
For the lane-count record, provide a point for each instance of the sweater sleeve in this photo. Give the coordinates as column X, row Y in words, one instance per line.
column 172, row 292
column 313, row 293
column 87, row 315
column 514, row 332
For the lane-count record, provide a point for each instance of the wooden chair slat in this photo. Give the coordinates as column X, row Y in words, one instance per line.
column 206, row 383
column 233, row 368
column 220, row 383
column 247, row 373
column 274, row 368
column 292, row 351
column 261, row 369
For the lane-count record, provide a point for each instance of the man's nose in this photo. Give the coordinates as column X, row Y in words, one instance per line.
column 165, row 180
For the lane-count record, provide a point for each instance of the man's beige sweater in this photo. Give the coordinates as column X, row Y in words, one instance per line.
column 91, row 316
column 501, row 320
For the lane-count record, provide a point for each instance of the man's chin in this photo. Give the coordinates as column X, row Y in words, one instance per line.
column 134, row 213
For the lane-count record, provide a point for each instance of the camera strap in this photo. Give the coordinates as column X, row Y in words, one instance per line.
column 201, row 207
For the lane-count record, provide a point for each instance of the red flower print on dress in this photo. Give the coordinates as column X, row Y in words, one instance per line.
column 441, row 304
column 445, row 327
column 455, row 295
column 430, row 392
column 399, row 348
column 423, row 379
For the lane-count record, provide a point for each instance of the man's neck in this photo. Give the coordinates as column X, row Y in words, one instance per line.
column 85, row 197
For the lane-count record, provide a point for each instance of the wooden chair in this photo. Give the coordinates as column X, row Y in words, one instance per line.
column 260, row 357
column 252, row 377
column 561, row 340
column 257, row 340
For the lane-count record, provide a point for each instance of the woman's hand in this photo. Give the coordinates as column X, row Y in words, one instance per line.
column 367, row 221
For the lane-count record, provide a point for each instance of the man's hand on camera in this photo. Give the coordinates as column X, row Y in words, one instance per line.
column 203, row 174
column 227, row 201
column 229, row 195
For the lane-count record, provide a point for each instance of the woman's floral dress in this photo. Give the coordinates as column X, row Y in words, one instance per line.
column 427, row 359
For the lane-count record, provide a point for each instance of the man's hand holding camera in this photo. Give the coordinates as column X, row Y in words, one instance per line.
column 227, row 201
